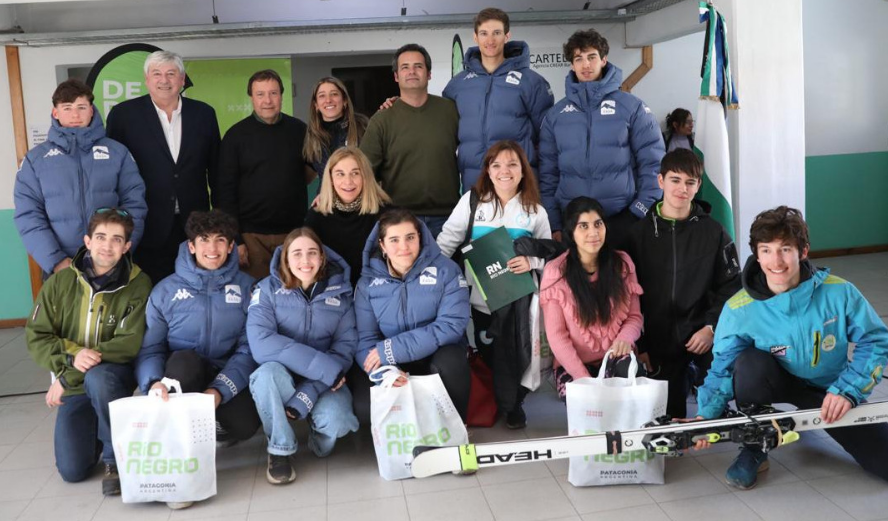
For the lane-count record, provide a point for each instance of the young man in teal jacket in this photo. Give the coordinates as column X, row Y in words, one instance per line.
column 785, row 338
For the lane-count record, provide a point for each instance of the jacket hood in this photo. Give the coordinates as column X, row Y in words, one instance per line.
column 517, row 56
column 374, row 265
column 66, row 137
column 128, row 272
column 755, row 283
column 699, row 210
column 588, row 95
column 194, row 275
column 338, row 272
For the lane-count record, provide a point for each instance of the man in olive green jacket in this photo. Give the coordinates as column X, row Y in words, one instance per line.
column 86, row 328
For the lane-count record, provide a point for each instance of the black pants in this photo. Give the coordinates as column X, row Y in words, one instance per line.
column 486, row 346
column 159, row 260
column 759, row 380
column 676, row 370
column 238, row 416
column 449, row 362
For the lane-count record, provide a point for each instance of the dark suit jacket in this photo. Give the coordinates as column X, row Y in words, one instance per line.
column 135, row 124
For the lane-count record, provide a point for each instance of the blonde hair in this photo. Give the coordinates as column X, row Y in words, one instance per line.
column 373, row 197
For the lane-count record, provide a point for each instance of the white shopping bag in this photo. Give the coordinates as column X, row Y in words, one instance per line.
column 401, row 418
column 531, row 378
column 165, row 451
column 607, row 404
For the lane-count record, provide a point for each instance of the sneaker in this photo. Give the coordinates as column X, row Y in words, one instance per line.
column 179, row 505
column 223, row 438
column 280, row 470
column 111, row 480
column 743, row 473
column 516, row 419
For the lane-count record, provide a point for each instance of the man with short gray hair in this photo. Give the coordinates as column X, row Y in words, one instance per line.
column 177, row 171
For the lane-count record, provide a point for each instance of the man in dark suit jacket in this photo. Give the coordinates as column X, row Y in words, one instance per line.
column 175, row 142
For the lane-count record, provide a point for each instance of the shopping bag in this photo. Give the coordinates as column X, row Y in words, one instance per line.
column 482, row 402
column 401, row 418
column 165, row 451
column 532, row 378
column 607, row 404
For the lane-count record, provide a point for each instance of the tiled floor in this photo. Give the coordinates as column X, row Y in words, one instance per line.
column 810, row 480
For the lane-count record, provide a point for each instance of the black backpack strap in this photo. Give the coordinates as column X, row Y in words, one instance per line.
column 473, row 205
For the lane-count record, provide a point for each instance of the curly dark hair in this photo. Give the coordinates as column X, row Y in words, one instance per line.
column 583, row 40
column 781, row 223
column 208, row 223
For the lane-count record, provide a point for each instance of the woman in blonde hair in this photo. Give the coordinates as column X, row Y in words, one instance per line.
column 348, row 207
column 332, row 123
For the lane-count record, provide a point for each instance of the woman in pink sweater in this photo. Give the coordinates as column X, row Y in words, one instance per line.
column 590, row 298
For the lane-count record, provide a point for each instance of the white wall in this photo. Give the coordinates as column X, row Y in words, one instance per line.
column 8, row 161
column 846, row 74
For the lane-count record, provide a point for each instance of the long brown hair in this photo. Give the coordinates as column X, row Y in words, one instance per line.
column 528, row 189
column 317, row 139
column 290, row 281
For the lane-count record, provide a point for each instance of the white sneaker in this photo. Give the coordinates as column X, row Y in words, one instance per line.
column 179, row 505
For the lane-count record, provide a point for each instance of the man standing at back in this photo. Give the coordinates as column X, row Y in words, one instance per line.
column 599, row 142
column 262, row 174
column 175, row 142
column 498, row 96
column 412, row 146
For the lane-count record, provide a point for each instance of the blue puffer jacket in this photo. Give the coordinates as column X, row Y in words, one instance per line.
column 807, row 329
column 315, row 338
column 63, row 180
column 407, row 320
column 205, row 311
column 508, row 104
column 603, row 143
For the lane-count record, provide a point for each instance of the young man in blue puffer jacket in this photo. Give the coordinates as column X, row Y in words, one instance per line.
column 786, row 338
column 196, row 331
column 76, row 171
column 498, row 96
column 599, row 142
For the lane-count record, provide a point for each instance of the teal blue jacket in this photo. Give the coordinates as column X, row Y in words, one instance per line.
column 807, row 329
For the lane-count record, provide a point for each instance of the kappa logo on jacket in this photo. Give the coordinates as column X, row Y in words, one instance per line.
column 469, row 76
column 513, row 77
column 232, row 294
column 283, row 291
column 429, row 276
column 570, row 107
column 53, row 152
column 378, row 282
column 608, row 107
column 182, row 294
column 101, row 152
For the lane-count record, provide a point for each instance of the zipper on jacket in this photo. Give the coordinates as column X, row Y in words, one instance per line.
column 209, row 307
column 80, row 174
column 89, row 314
column 98, row 324
column 816, row 358
column 588, row 131
column 404, row 306
column 484, row 114
column 674, row 264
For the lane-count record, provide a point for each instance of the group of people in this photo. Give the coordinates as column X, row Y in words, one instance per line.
column 280, row 309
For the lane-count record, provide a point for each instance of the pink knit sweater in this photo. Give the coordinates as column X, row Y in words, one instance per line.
column 572, row 344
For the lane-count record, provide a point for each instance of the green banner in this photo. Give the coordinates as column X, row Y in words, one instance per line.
column 119, row 76
column 223, row 85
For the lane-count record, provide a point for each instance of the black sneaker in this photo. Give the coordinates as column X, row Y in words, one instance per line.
column 111, row 480
column 223, row 438
column 516, row 419
column 280, row 470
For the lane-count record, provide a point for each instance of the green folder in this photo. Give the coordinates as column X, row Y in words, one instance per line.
column 486, row 260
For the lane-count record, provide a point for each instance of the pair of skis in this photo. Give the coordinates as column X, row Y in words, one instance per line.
column 769, row 430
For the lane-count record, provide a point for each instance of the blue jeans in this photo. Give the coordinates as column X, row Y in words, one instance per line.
column 435, row 223
column 83, row 424
column 330, row 419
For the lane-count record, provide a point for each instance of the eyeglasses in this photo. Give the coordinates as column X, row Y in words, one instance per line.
column 120, row 212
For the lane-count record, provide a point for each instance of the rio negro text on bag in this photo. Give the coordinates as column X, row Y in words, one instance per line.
column 144, row 458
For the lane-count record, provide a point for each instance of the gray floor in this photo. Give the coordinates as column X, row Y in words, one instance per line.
column 810, row 480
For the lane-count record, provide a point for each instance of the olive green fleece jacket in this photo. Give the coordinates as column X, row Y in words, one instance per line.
column 70, row 315
column 413, row 153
